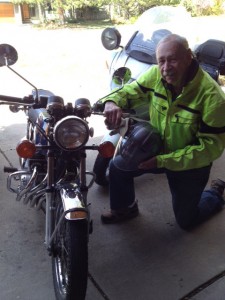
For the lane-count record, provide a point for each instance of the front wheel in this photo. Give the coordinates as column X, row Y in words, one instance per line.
column 100, row 169
column 70, row 259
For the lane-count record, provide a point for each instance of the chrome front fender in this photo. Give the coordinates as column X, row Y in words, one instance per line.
column 74, row 208
column 73, row 202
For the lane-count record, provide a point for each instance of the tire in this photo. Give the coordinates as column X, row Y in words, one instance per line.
column 70, row 259
column 100, row 169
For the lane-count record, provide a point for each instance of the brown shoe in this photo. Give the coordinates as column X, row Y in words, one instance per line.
column 218, row 185
column 116, row 216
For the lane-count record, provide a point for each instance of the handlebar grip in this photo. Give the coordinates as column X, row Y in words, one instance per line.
column 16, row 100
column 98, row 107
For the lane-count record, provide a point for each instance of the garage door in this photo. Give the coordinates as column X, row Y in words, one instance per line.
column 6, row 10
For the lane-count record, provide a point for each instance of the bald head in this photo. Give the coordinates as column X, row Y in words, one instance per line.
column 180, row 41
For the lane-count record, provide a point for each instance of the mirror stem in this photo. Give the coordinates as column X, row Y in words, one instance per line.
column 36, row 90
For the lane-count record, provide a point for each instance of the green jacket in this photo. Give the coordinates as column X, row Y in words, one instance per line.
column 191, row 125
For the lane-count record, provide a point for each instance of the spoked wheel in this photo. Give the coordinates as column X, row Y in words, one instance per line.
column 70, row 262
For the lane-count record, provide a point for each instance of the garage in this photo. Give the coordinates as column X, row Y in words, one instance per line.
column 14, row 13
column 6, row 10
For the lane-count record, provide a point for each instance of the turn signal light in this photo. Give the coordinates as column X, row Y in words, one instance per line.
column 26, row 149
column 106, row 149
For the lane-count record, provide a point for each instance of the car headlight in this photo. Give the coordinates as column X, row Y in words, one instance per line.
column 71, row 133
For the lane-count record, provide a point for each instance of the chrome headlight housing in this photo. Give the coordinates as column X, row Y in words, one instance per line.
column 71, row 133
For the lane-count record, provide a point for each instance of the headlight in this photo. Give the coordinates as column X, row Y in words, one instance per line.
column 111, row 38
column 71, row 133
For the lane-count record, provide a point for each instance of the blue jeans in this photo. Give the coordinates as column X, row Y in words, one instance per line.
column 191, row 204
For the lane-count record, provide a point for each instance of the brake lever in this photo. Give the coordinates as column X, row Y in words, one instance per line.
column 122, row 128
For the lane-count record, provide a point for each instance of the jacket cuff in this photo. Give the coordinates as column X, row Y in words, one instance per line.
column 160, row 161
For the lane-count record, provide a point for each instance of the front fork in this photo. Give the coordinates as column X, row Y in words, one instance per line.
column 50, row 194
column 74, row 199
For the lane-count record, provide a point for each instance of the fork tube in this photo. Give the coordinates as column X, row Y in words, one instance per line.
column 83, row 170
column 83, row 179
column 49, row 197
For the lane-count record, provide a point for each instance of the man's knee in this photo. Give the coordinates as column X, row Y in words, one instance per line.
column 186, row 223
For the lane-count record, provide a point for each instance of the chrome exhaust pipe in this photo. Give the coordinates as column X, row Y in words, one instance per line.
column 36, row 198
column 33, row 194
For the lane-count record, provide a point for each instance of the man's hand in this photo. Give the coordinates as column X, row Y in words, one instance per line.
column 113, row 114
column 148, row 164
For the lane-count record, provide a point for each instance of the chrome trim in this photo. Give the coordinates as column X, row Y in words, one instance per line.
column 28, row 187
column 92, row 180
column 71, row 198
column 13, row 175
column 29, row 192
column 36, row 192
column 36, row 199
column 40, row 201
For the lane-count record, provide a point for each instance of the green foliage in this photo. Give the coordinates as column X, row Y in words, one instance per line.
column 87, row 3
column 121, row 11
column 218, row 8
column 204, row 7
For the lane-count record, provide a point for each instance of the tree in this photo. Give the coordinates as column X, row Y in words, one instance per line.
column 133, row 8
column 203, row 7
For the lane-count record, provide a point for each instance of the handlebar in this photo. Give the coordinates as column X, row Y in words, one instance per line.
column 15, row 100
column 124, row 115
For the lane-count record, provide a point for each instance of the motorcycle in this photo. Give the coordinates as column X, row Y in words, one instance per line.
column 139, row 55
column 53, row 177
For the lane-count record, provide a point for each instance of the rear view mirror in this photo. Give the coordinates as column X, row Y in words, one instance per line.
column 8, row 55
column 121, row 76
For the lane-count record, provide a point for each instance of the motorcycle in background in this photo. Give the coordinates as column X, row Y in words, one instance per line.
column 52, row 177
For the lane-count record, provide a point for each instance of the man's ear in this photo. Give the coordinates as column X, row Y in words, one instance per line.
column 188, row 57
